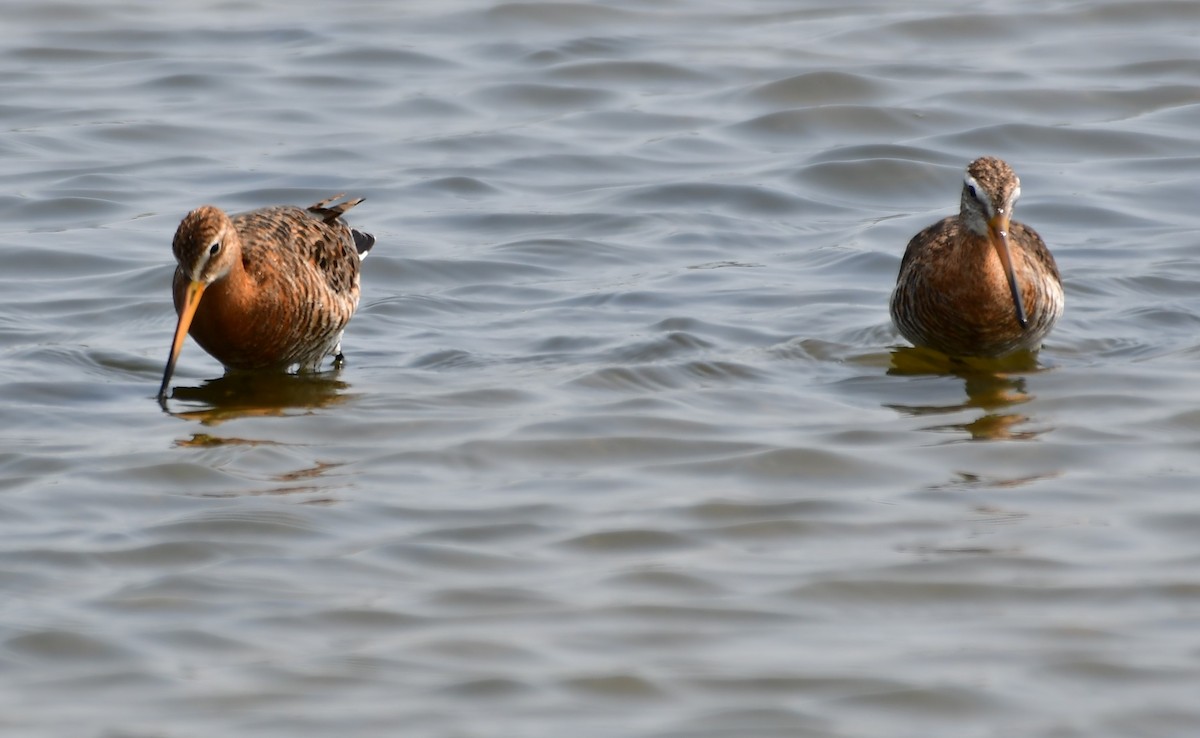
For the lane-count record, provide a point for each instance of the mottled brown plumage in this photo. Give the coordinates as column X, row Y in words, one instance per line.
column 278, row 284
column 979, row 283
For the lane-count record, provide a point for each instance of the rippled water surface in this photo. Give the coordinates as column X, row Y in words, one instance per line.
column 625, row 444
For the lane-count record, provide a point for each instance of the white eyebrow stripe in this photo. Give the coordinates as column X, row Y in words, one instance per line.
column 980, row 193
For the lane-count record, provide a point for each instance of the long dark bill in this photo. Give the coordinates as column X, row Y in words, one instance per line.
column 998, row 231
column 191, row 300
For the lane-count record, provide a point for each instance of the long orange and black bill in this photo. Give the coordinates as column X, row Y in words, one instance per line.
column 191, row 300
column 998, row 230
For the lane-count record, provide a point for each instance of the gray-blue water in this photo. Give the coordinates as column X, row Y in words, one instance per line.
column 623, row 446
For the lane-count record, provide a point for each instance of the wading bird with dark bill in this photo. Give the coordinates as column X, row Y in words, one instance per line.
column 979, row 283
column 267, row 289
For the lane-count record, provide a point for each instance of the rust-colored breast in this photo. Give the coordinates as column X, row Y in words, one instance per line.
column 287, row 302
column 952, row 294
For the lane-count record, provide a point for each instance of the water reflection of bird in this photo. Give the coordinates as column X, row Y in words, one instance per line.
column 259, row 394
column 998, row 394
column 279, row 284
column 979, row 284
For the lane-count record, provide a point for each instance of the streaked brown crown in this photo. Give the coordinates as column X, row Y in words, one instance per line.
column 996, row 178
column 197, row 231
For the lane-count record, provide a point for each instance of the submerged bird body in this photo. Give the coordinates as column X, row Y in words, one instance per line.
column 978, row 283
column 267, row 289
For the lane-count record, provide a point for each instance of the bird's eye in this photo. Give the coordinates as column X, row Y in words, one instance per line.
column 974, row 194
column 212, row 250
